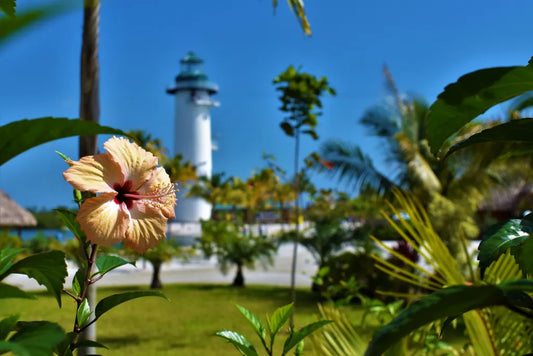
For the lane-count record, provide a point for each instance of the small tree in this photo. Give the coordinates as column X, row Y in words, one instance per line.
column 164, row 252
column 300, row 97
column 231, row 247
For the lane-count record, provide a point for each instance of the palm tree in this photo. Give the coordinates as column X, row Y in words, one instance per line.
column 451, row 189
column 90, row 111
column 148, row 142
column 226, row 241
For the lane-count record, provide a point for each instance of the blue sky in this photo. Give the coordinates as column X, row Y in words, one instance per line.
column 426, row 44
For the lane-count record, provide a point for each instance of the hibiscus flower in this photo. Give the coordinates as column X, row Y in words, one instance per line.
column 134, row 200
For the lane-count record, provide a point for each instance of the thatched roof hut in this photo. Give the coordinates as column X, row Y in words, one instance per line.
column 13, row 215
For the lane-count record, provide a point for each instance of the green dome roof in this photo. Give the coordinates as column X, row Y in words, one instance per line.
column 191, row 76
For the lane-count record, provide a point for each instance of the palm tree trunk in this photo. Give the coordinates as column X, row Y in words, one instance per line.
column 156, row 280
column 90, row 111
column 238, row 281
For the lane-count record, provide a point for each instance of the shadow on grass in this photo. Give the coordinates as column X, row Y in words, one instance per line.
column 117, row 342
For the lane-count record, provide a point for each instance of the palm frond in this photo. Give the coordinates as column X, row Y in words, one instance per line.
column 337, row 338
column 382, row 120
column 419, row 233
column 352, row 166
column 510, row 329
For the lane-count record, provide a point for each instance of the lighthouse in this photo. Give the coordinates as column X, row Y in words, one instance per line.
column 192, row 131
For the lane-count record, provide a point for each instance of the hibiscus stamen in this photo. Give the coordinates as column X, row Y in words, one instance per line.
column 162, row 195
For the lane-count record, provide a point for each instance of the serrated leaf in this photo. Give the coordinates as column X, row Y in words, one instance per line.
column 440, row 304
column 297, row 336
column 472, row 95
column 83, row 313
column 278, row 319
column 69, row 219
column 8, row 324
column 6, row 257
column 19, row 136
column 256, row 323
column 78, row 282
column 8, row 7
column 502, row 236
column 238, row 341
column 512, row 131
column 47, row 268
column 106, row 263
column 34, row 338
column 113, row 300
column 9, row 291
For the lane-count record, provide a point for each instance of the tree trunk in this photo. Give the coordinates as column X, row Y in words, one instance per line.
column 239, row 277
column 156, row 281
column 89, row 111
column 297, row 228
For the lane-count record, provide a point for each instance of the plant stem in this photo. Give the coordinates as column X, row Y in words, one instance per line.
column 87, row 281
column 71, row 295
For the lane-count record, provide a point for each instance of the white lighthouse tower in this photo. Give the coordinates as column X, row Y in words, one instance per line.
column 192, row 131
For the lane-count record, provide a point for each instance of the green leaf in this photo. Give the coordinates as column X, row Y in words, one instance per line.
column 440, row 304
column 519, row 299
column 89, row 343
column 113, row 300
column 9, row 291
column 278, row 319
column 502, row 236
column 6, row 257
column 256, row 323
column 8, row 7
column 239, row 342
column 78, row 282
column 106, row 263
column 13, row 24
column 311, row 133
column 22, row 135
column 512, row 131
column 69, row 219
column 63, row 347
column 297, row 336
column 299, row 349
column 287, row 128
column 83, row 313
column 8, row 324
column 48, row 268
column 472, row 95
column 524, row 260
column 34, row 338
column 524, row 285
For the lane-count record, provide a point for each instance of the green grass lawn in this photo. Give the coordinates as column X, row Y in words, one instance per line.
column 183, row 326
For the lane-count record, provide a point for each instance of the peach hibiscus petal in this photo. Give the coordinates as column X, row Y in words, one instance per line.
column 104, row 221
column 136, row 163
column 146, row 229
column 161, row 192
column 96, row 174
